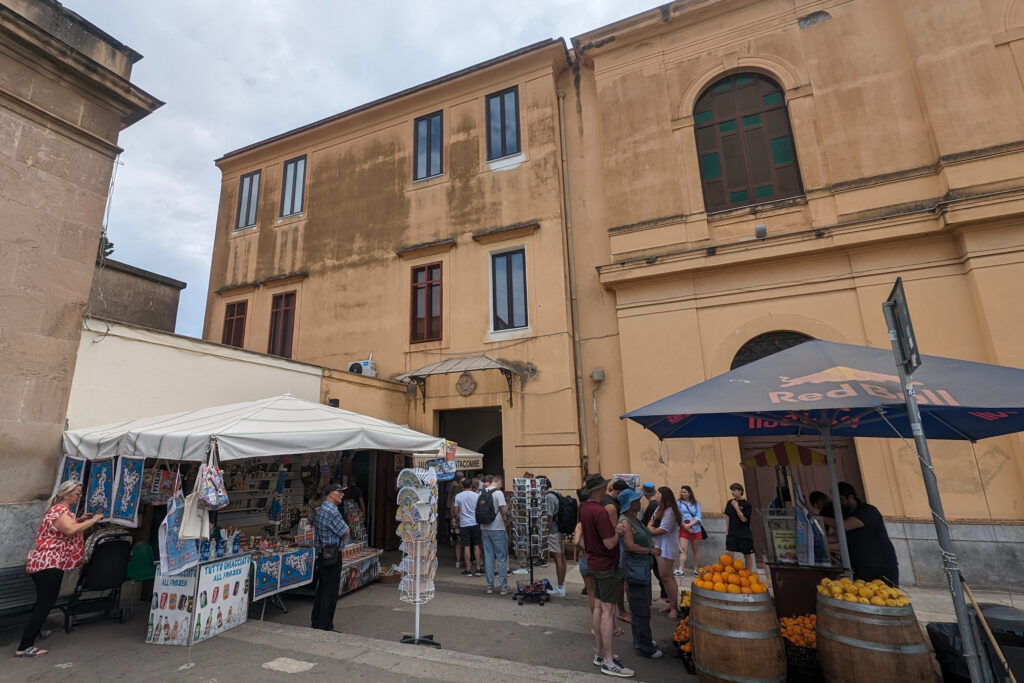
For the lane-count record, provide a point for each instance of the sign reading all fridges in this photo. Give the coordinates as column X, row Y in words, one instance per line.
column 172, row 607
column 223, row 598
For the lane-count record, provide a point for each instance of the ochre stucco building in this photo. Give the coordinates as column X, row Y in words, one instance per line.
column 683, row 191
column 65, row 95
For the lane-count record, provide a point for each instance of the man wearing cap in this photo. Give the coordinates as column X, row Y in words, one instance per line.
column 611, row 504
column 601, row 540
column 330, row 532
column 648, row 491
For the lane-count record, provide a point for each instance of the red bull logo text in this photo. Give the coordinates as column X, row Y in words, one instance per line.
column 854, row 382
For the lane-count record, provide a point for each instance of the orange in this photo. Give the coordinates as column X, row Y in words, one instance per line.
column 707, row 576
column 746, row 591
column 733, row 589
column 718, row 578
column 744, row 573
column 744, row 581
column 754, row 578
column 725, row 559
column 738, row 565
column 716, row 568
column 758, row 588
column 720, row 588
column 728, row 570
column 734, row 580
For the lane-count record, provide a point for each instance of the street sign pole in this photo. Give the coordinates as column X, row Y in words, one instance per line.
column 904, row 347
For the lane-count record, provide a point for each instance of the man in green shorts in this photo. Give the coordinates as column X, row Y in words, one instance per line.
column 602, row 544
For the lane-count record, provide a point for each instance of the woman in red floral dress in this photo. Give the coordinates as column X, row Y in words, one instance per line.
column 59, row 547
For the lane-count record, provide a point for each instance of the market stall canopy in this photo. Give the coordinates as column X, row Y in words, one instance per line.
column 849, row 390
column 784, row 454
column 465, row 459
column 462, row 365
column 280, row 425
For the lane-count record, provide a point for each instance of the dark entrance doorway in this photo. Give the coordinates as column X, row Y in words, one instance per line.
column 478, row 429
column 761, row 482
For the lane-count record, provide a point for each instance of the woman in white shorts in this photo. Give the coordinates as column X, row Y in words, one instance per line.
column 664, row 527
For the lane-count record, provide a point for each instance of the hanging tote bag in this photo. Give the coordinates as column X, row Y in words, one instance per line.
column 195, row 521
column 633, row 567
column 210, row 483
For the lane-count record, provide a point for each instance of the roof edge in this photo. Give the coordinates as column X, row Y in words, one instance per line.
column 399, row 95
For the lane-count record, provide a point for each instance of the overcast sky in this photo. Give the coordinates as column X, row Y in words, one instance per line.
column 235, row 72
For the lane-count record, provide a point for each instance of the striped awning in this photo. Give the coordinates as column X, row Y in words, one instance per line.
column 785, row 453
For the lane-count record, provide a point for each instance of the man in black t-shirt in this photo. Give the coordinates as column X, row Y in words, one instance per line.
column 738, row 537
column 872, row 554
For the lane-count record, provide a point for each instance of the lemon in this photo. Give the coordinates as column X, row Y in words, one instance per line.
column 866, row 592
column 864, row 601
column 877, row 601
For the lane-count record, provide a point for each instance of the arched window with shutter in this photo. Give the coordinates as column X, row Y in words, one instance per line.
column 745, row 143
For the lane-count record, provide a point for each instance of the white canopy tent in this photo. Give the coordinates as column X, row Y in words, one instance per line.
column 280, row 425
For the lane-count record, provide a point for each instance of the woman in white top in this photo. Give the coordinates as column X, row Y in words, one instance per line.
column 664, row 527
column 691, row 531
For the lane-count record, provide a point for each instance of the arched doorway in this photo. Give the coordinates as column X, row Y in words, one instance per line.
column 761, row 483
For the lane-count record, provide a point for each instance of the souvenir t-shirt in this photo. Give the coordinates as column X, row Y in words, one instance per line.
column 466, row 502
column 738, row 529
column 55, row 549
column 869, row 545
column 597, row 526
column 498, row 523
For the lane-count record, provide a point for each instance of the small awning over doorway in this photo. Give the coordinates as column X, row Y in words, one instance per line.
column 458, row 365
column 465, row 459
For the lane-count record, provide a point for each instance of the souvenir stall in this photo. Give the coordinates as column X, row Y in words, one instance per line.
column 254, row 471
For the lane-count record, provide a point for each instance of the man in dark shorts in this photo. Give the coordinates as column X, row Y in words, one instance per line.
column 602, row 546
column 738, row 537
column 872, row 554
column 470, row 536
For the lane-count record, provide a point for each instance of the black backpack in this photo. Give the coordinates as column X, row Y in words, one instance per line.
column 485, row 512
column 568, row 513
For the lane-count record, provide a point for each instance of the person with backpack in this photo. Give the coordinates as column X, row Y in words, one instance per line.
column 562, row 510
column 490, row 515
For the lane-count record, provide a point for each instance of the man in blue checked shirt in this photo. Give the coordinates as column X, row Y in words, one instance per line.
column 330, row 532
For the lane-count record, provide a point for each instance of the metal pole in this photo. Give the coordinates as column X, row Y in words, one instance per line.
column 949, row 557
column 418, row 545
column 837, row 508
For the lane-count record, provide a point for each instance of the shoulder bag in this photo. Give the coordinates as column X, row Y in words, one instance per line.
column 635, row 568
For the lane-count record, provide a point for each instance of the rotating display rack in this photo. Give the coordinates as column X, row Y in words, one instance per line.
column 417, row 527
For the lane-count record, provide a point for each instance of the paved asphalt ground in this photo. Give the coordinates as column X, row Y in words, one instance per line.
column 483, row 637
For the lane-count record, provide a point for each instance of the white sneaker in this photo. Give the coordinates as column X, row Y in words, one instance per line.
column 458, row 565
column 614, row 668
column 679, row 572
column 658, row 654
column 557, row 592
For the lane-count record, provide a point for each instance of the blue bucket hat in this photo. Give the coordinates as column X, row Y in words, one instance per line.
column 626, row 499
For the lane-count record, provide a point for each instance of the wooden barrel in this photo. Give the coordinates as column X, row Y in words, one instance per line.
column 736, row 638
column 860, row 642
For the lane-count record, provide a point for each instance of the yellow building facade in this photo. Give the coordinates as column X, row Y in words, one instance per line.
column 689, row 189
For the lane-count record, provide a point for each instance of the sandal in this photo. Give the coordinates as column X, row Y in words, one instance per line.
column 30, row 652
column 616, row 633
column 44, row 634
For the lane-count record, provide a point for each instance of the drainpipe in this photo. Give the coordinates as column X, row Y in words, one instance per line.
column 581, row 414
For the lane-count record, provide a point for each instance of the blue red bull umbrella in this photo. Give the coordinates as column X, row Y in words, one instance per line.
column 847, row 390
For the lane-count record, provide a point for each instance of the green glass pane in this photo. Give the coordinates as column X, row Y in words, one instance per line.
column 744, row 80
column 703, row 116
column 727, row 126
column 723, row 86
column 765, row 192
column 749, row 121
column 711, row 166
column 769, row 100
column 737, row 197
column 782, row 151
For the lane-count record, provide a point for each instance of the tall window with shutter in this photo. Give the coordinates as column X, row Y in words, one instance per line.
column 426, row 303
column 745, row 143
